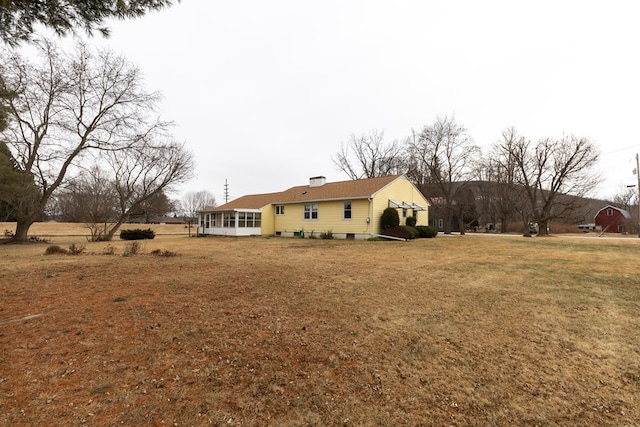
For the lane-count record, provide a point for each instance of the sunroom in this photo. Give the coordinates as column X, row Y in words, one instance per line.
column 234, row 222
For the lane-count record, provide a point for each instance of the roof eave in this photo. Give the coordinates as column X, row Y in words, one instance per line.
column 332, row 199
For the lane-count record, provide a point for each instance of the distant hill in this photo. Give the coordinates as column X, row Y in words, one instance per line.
column 479, row 194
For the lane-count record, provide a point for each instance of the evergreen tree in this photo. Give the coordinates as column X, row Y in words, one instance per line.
column 18, row 192
column 18, row 18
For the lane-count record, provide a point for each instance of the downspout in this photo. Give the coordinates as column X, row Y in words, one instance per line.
column 370, row 216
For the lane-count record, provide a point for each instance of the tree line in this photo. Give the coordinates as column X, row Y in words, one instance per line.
column 80, row 133
column 532, row 182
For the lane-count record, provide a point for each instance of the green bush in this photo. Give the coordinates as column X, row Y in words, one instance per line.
column 412, row 231
column 137, row 234
column 390, row 218
column 425, row 231
column 411, row 221
column 402, row 232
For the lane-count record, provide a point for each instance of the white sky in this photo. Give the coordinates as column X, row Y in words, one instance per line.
column 264, row 93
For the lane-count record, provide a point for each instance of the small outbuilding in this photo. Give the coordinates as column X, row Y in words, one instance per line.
column 612, row 219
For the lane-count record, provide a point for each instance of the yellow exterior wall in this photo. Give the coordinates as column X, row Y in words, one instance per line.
column 268, row 214
column 400, row 190
column 291, row 220
column 330, row 213
column 330, row 218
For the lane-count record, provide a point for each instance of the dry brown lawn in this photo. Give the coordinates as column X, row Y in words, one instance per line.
column 452, row 331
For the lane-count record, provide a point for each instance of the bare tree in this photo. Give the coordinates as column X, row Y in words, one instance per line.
column 89, row 198
column 142, row 172
column 153, row 208
column 445, row 154
column 5, row 96
column 555, row 176
column 368, row 156
column 195, row 201
column 500, row 169
column 626, row 198
column 69, row 106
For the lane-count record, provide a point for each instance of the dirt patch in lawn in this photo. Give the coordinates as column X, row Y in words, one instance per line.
column 255, row 332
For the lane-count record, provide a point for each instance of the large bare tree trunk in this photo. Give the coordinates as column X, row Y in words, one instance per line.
column 22, row 228
column 112, row 232
column 447, row 222
column 543, row 228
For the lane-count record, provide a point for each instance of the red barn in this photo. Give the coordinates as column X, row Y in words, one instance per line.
column 612, row 219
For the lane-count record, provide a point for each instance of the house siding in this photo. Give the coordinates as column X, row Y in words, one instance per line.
column 268, row 215
column 330, row 218
column 399, row 190
column 330, row 213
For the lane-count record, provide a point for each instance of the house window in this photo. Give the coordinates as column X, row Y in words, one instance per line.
column 249, row 219
column 279, row 210
column 206, row 221
column 609, row 212
column 347, row 210
column 440, row 223
column 229, row 220
column 404, row 212
column 216, row 219
column 311, row 211
column 202, row 220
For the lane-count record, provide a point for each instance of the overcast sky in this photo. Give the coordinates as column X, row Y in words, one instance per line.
column 264, row 93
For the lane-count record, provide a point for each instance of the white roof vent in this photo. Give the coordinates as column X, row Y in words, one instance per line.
column 317, row 181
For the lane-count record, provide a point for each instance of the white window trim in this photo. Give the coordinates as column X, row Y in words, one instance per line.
column 312, row 207
column 344, row 210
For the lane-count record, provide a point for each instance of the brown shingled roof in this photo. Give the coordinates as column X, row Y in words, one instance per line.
column 359, row 188
column 252, row 201
column 353, row 189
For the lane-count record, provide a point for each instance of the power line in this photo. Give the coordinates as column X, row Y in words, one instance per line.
column 621, row 149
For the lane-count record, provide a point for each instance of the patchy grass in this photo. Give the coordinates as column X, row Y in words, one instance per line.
column 255, row 332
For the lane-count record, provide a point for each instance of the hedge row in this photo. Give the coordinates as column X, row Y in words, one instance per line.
column 407, row 232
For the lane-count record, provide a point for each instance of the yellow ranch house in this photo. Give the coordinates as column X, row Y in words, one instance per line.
column 347, row 209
